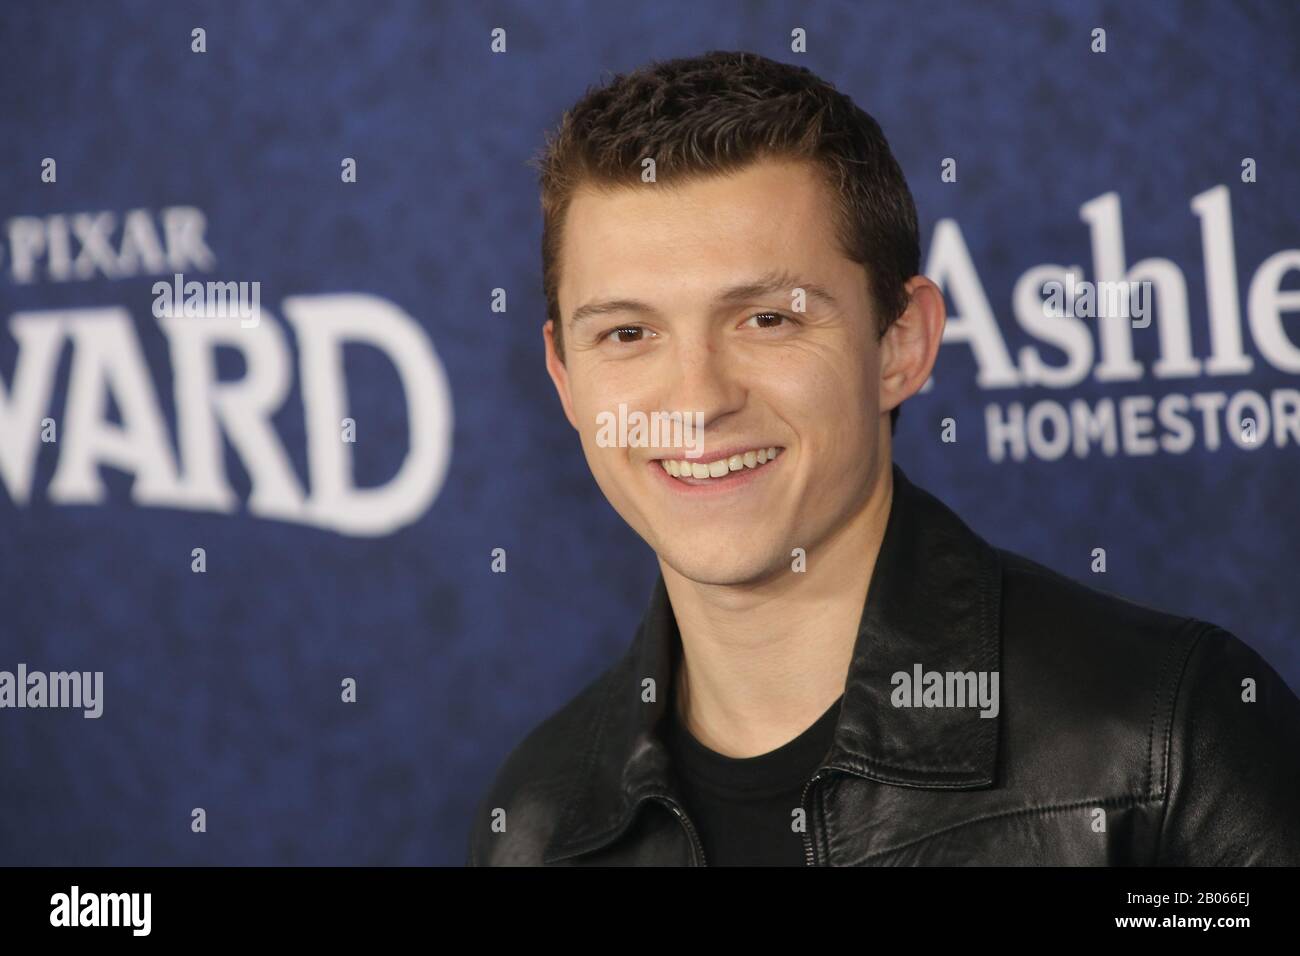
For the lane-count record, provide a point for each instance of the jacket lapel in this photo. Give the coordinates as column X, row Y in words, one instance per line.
column 933, row 605
column 625, row 761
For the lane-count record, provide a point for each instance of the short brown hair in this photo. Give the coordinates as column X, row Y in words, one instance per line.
column 714, row 113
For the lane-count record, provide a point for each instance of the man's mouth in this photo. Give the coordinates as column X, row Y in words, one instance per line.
column 694, row 472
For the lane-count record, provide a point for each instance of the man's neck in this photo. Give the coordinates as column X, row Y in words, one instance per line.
column 762, row 662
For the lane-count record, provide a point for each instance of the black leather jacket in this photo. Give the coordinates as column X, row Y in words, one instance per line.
column 1121, row 738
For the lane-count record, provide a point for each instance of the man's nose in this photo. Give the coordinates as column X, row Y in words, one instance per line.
column 704, row 380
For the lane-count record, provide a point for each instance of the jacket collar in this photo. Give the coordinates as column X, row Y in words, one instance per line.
column 933, row 601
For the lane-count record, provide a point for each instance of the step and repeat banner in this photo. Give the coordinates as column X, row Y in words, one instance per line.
column 286, row 588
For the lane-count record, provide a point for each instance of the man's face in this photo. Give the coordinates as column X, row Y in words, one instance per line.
column 761, row 373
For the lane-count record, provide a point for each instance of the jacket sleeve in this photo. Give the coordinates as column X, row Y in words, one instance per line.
column 1233, row 790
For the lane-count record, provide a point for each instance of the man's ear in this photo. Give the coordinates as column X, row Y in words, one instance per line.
column 559, row 374
column 910, row 346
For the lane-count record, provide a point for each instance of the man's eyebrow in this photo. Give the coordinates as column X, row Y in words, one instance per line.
column 592, row 309
column 773, row 282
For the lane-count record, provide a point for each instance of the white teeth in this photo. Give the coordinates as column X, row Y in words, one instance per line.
column 721, row 467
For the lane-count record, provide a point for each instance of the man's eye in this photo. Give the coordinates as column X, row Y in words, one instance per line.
column 766, row 320
column 626, row 334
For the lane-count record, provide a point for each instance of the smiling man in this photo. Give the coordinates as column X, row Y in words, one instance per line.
column 819, row 676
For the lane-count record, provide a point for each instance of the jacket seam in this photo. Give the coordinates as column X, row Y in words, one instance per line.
column 1022, row 811
column 992, row 578
column 1205, row 629
column 1166, row 661
column 906, row 776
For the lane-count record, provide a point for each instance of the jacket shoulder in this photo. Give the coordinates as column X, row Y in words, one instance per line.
column 1232, row 795
column 1118, row 701
column 1031, row 590
column 530, row 791
column 1090, row 681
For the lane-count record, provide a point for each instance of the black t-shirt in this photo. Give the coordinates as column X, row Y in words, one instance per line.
column 743, row 808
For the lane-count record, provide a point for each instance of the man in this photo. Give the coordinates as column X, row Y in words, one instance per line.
column 833, row 669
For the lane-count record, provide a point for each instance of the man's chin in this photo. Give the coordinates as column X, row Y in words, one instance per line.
column 714, row 566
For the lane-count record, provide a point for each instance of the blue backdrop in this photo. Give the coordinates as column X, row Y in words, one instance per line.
column 222, row 690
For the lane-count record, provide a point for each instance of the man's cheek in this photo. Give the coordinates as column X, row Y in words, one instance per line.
column 610, row 467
